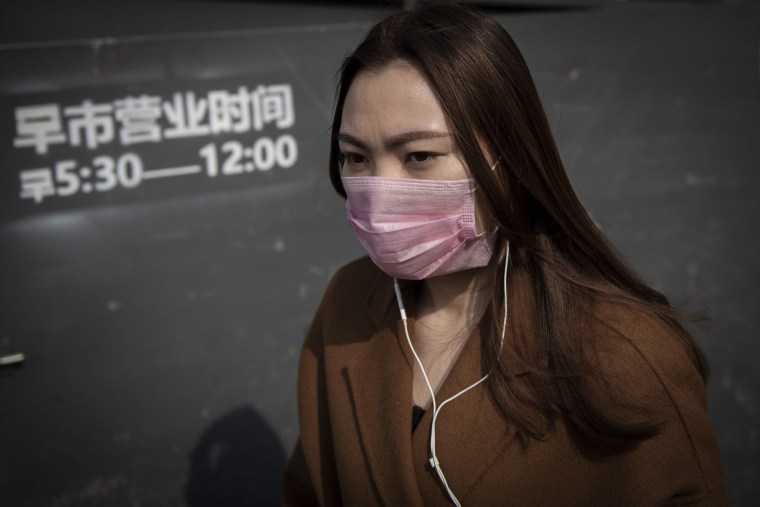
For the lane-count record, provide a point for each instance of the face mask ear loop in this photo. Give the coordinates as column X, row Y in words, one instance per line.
column 437, row 409
column 493, row 167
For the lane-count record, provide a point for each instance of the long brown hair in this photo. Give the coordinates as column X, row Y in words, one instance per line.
column 560, row 263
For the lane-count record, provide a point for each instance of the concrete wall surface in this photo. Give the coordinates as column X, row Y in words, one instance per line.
column 161, row 287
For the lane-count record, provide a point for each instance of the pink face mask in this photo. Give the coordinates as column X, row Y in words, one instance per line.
column 417, row 229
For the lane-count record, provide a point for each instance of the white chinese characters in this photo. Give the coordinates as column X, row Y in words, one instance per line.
column 151, row 119
column 92, row 125
column 39, row 126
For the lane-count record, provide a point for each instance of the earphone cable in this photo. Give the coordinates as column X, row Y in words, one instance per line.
column 437, row 409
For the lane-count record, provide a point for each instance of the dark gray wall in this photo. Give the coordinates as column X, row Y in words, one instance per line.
column 162, row 326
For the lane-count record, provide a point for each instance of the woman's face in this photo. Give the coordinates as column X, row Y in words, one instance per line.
column 393, row 126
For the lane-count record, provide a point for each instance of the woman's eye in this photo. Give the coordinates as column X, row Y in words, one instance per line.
column 419, row 157
column 352, row 159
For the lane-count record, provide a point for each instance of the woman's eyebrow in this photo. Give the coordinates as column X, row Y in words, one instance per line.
column 349, row 139
column 397, row 140
column 415, row 135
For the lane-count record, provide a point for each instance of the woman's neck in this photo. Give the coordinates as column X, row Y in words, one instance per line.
column 454, row 302
column 448, row 308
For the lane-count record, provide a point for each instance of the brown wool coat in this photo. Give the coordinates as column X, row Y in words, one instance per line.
column 356, row 446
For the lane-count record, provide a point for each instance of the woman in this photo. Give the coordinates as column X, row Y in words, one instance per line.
column 515, row 360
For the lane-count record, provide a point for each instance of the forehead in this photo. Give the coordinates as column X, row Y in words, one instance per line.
column 391, row 99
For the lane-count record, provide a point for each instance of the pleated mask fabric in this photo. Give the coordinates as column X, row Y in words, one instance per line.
column 415, row 229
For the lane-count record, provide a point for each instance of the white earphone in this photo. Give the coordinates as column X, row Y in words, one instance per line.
column 437, row 408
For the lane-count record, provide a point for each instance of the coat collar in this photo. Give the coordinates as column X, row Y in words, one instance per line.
column 381, row 385
column 381, row 297
column 380, row 381
column 470, row 431
column 381, row 307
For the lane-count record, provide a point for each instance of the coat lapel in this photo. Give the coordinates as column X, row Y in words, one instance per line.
column 470, row 431
column 381, row 385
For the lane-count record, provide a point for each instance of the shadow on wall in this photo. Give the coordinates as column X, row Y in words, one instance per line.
column 237, row 462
